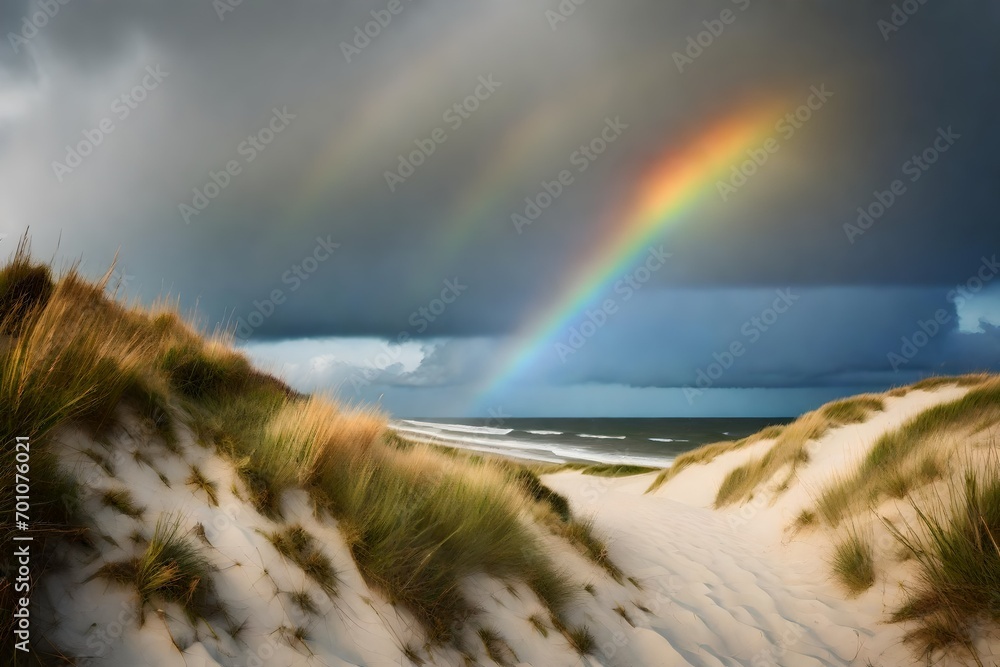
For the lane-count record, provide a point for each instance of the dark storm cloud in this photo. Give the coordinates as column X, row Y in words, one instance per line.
column 826, row 337
column 323, row 176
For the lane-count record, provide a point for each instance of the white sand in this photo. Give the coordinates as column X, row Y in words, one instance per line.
column 731, row 587
column 736, row 585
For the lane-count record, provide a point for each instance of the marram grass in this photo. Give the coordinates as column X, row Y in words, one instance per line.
column 418, row 522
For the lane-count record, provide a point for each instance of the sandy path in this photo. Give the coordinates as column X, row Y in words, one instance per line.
column 718, row 596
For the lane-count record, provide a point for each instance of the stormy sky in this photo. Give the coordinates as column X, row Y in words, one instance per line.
column 340, row 183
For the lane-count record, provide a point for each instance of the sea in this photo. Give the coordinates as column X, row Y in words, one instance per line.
column 642, row 442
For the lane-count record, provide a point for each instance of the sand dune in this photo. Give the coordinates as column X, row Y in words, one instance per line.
column 708, row 587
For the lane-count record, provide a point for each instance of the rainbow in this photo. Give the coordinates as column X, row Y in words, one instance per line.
column 669, row 191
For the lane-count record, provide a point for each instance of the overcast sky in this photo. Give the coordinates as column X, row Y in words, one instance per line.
column 234, row 153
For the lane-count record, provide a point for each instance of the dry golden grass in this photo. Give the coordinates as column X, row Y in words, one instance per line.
column 937, row 382
column 913, row 455
column 708, row 453
column 418, row 522
column 955, row 542
column 789, row 449
column 854, row 562
column 170, row 568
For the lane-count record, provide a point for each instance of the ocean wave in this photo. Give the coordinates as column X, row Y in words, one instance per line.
column 545, row 432
column 667, row 440
column 554, row 453
column 462, row 428
column 601, row 437
column 455, row 438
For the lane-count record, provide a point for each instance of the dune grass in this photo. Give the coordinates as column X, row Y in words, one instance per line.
column 621, row 611
column 496, row 646
column 121, row 501
column 907, row 458
column 57, row 367
column 539, row 624
column 789, row 448
column 854, row 562
column 581, row 639
column 956, row 545
column 304, row 602
column 852, row 410
column 533, row 486
column 298, row 546
column 581, row 533
column 198, row 480
column 708, row 453
column 171, row 569
column 417, row 522
column 937, row 382
column 595, row 469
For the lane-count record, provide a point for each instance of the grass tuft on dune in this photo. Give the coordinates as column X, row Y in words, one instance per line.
column 171, row 569
column 956, row 545
column 708, row 453
column 854, row 562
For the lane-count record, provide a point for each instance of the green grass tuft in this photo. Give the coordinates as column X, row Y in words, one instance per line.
column 581, row 533
column 171, row 568
column 854, row 563
column 621, row 611
column 496, row 647
column 199, row 375
column 25, row 288
column 202, row 483
column 304, row 602
column 530, row 482
column 581, row 639
column 539, row 624
column 298, row 546
column 122, row 501
column 955, row 545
